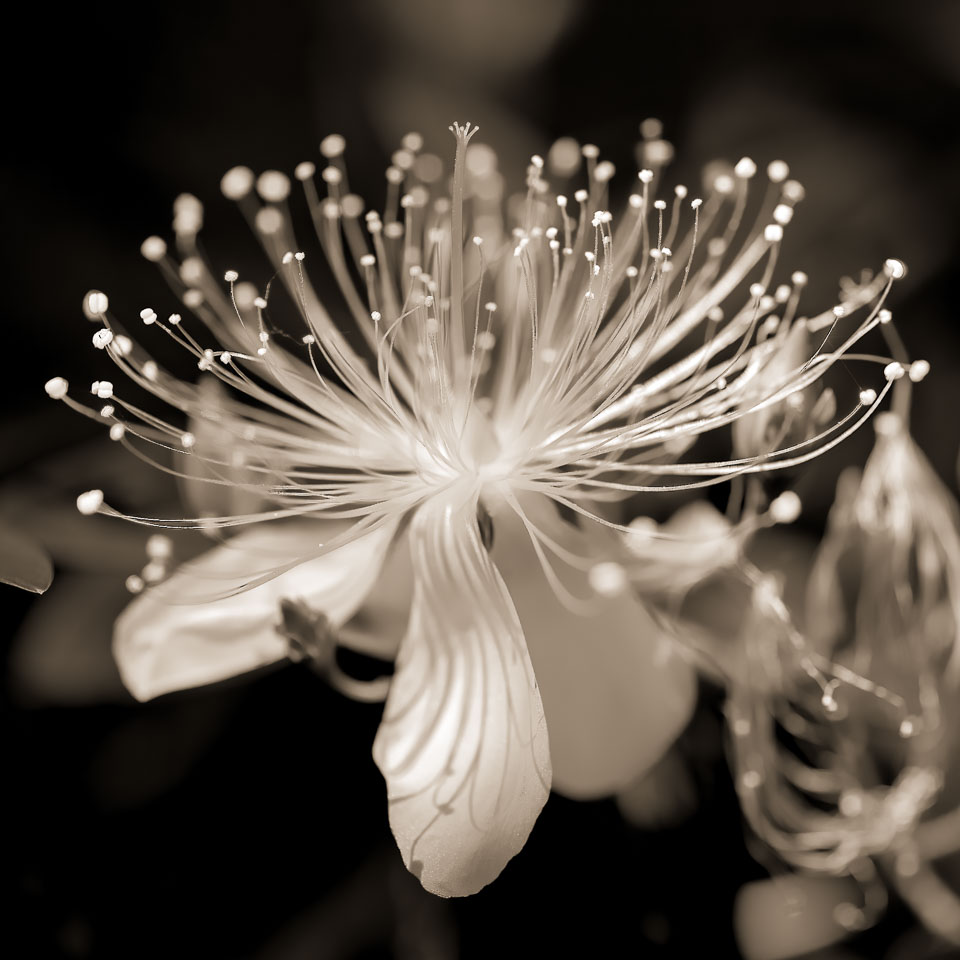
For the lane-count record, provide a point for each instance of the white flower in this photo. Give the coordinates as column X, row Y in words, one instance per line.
column 566, row 361
column 841, row 734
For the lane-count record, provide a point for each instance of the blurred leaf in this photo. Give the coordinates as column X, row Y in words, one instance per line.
column 61, row 655
column 23, row 562
column 792, row 915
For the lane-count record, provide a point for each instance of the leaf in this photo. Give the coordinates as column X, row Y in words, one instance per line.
column 23, row 562
column 60, row 656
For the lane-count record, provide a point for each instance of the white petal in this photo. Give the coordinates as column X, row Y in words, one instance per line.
column 463, row 743
column 706, row 543
column 172, row 637
column 615, row 692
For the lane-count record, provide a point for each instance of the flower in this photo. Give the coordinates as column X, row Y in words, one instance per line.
column 504, row 375
column 842, row 735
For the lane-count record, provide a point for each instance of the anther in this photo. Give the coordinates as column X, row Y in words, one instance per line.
column 894, row 371
column 95, row 304
column 90, row 502
column 645, row 176
column 751, row 779
column 651, row 128
column 412, row 141
column 868, row 396
column 608, row 579
column 273, row 186
column 908, row 727
column 799, row 278
column 231, row 276
column 134, row 584
column 332, row 145
column 268, row 221
column 159, row 547
column 153, row 249
column 894, row 269
column 723, row 184
column 117, row 430
column 187, row 215
column 187, row 440
column 244, row 294
column 786, row 508
column 604, row 171
column 851, row 803
column 773, row 233
column 236, row 183
column 102, row 338
column 745, row 168
column 793, row 191
column 918, row 370
column 777, row 171
column 783, row 213
column 56, row 388
column 305, row 170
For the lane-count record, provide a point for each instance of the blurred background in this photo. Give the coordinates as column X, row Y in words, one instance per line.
column 248, row 819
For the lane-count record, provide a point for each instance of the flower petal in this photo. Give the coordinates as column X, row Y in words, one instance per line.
column 615, row 693
column 463, row 742
column 171, row 638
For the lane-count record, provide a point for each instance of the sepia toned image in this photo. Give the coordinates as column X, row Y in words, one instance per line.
column 480, row 479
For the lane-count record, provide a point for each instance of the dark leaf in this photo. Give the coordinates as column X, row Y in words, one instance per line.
column 23, row 562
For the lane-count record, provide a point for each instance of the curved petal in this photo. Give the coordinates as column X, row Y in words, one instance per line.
column 615, row 692
column 171, row 638
column 463, row 743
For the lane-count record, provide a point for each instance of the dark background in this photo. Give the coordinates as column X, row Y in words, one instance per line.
column 248, row 820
